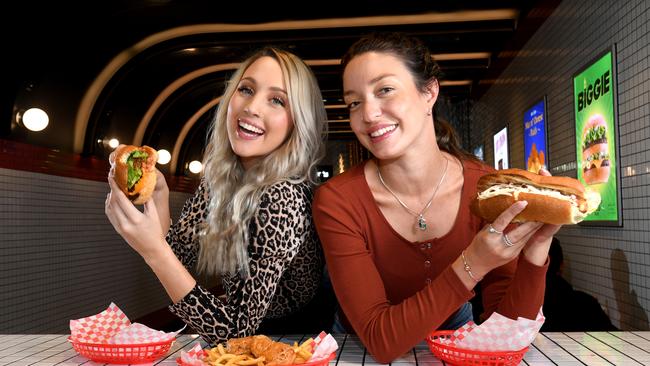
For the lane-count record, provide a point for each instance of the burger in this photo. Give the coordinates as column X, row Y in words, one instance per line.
column 551, row 200
column 595, row 151
column 134, row 171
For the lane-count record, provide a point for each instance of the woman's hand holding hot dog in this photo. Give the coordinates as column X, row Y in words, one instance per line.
column 496, row 245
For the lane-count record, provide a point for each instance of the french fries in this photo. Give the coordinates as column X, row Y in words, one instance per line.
column 218, row 356
column 303, row 351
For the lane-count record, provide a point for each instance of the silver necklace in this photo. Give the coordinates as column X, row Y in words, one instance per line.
column 421, row 221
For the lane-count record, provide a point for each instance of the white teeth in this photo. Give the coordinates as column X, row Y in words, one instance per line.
column 248, row 127
column 383, row 131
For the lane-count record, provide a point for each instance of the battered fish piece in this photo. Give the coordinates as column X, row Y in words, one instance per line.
column 275, row 353
column 239, row 346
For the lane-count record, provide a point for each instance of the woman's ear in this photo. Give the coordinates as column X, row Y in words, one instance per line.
column 431, row 92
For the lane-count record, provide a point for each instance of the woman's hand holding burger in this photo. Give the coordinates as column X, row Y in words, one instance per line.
column 144, row 231
column 133, row 179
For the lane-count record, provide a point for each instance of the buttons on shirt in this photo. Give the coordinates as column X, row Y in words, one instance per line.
column 427, row 261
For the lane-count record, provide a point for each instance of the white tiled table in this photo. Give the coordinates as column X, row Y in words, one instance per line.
column 593, row 348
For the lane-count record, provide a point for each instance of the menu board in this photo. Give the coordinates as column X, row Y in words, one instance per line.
column 594, row 91
column 501, row 149
column 535, row 147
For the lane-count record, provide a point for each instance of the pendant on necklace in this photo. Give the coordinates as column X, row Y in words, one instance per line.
column 422, row 222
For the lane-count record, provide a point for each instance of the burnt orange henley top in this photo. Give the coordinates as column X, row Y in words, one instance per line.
column 395, row 292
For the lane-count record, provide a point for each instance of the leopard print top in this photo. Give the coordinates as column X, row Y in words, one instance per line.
column 285, row 260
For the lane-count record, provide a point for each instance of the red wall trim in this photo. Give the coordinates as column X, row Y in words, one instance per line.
column 37, row 159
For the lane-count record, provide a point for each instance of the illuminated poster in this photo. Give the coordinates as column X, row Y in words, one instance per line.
column 501, row 149
column 535, row 150
column 594, row 90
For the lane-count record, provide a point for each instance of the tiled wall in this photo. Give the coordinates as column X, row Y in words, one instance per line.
column 612, row 264
column 61, row 259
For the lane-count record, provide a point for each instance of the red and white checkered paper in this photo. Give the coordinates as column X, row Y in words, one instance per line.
column 99, row 328
column 112, row 326
column 325, row 345
column 192, row 357
column 137, row 333
column 499, row 333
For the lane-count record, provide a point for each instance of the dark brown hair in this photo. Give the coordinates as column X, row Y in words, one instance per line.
column 416, row 57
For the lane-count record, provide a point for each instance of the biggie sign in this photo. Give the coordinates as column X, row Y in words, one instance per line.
column 594, row 103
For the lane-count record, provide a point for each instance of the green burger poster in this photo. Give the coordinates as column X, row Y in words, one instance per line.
column 594, row 91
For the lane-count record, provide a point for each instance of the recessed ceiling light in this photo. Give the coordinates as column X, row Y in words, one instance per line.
column 35, row 119
column 164, row 157
column 196, row 166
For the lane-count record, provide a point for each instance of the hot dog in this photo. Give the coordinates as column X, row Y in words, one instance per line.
column 551, row 200
column 134, row 171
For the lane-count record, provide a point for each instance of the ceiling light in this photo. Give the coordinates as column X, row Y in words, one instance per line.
column 455, row 82
column 113, row 143
column 34, row 119
column 164, row 157
column 196, row 166
column 327, row 62
column 461, row 56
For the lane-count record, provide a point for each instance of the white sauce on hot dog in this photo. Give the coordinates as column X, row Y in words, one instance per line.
column 512, row 189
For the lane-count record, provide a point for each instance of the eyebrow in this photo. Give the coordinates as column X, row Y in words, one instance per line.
column 373, row 81
column 274, row 88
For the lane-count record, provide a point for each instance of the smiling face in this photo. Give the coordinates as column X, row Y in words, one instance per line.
column 259, row 117
column 388, row 113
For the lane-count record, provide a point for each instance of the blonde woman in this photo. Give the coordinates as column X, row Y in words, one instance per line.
column 250, row 219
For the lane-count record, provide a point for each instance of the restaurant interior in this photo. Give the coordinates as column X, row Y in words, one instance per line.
column 150, row 72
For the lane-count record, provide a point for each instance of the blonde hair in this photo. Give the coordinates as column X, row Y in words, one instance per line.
column 234, row 192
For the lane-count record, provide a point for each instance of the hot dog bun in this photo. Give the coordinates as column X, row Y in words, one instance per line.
column 143, row 188
column 551, row 200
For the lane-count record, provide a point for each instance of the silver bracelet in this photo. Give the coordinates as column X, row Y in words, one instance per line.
column 467, row 268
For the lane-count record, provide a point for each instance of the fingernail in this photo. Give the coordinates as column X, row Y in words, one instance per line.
column 524, row 204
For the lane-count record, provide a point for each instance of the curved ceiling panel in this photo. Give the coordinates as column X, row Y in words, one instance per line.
column 151, row 72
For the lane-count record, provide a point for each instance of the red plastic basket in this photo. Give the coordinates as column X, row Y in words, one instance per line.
column 122, row 353
column 442, row 346
column 323, row 362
